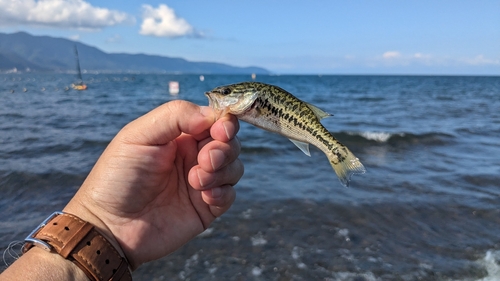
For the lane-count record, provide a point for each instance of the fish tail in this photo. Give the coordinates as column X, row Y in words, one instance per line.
column 345, row 164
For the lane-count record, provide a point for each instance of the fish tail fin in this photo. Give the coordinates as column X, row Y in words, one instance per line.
column 345, row 164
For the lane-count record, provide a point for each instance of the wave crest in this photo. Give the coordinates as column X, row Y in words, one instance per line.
column 369, row 137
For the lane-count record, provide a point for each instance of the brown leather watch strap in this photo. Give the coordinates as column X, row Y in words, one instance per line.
column 79, row 241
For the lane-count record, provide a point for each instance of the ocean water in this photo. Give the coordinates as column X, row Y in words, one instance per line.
column 428, row 207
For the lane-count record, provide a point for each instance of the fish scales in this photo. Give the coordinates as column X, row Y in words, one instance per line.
column 289, row 118
column 274, row 109
column 293, row 113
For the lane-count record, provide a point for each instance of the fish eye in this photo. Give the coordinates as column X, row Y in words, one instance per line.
column 226, row 91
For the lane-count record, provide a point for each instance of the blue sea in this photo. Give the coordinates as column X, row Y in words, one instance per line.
column 428, row 207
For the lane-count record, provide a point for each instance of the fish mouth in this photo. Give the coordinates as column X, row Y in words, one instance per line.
column 213, row 102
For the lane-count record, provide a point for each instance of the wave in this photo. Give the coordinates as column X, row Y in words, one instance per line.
column 273, row 144
column 19, row 181
column 34, row 148
column 491, row 263
column 403, row 138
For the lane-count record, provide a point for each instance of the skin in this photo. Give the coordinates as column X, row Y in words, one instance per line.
column 161, row 181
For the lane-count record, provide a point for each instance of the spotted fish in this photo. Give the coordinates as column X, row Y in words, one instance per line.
column 274, row 109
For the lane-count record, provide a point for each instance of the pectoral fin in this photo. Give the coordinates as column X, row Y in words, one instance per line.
column 304, row 146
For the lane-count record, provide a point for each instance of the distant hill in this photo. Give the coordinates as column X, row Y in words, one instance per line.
column 43, row 53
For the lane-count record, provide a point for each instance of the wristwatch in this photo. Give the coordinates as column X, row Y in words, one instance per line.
column 78, row 241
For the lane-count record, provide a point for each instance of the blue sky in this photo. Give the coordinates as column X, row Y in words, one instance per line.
column 286, row 37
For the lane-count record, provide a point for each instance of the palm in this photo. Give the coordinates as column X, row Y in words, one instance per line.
column 160, row 196
column 146, row 188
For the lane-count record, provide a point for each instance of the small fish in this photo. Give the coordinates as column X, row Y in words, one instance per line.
column 274, row 109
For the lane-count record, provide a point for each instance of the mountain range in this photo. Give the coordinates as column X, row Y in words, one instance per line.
column 23, row 51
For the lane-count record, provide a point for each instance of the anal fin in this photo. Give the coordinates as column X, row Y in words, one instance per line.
column 303, row 146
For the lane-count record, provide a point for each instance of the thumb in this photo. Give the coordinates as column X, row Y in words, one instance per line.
column 166, row 122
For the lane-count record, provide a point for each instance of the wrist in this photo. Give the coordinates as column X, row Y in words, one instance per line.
column 106, row 223
column 38, row 264
column 87, row 215
column 79, row 242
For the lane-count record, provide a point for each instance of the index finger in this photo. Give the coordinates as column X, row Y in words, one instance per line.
column 166, row 122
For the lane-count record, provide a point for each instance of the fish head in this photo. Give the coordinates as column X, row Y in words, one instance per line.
column 234, row 99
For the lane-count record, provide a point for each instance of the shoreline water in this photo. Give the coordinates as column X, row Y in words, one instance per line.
column 427, row 208
column 309, row 240
column 314, row 240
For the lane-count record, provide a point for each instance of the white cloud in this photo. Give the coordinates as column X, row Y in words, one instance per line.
column 114, row 39
column 75, row 37
column 59, row 13
column 481, row 60
column 163, row 22
column 426, row 59
column 421, row 56
column 394, row 58
column 391, row 55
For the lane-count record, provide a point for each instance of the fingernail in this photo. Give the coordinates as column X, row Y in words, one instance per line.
column 229, row 129
column 199, row 177
column 217, row 158
column 202, row 182
column 216, row 192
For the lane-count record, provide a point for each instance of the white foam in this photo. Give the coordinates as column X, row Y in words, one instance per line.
column 193, row 260
column 301, row 265
column 190, row 263
column 256, row 271
column 258, row 240
column 247, row 214
column 491, row 263
column 348, row 276
column 296, row 253
column 212, row 270
column 344, row 233
column 376, row 136
column 206, row 233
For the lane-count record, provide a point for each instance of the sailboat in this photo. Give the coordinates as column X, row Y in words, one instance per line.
column 80, row 86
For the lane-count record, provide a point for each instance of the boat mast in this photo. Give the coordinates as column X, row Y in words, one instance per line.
column 78, row 66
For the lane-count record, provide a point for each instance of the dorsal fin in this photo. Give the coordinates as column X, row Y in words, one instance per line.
column 318, row 112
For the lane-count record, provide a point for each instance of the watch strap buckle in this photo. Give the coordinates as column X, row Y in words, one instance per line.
column 31, row 240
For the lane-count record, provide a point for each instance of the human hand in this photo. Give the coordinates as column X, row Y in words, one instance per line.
column 162, row 180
